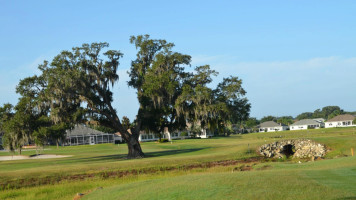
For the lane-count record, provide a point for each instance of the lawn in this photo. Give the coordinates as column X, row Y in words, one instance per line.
column 331, row 178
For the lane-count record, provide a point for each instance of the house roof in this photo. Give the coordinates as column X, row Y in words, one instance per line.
column 306, row 122
column 319, row 119
column 270, row 124
column 83, row 130
column 338, row 118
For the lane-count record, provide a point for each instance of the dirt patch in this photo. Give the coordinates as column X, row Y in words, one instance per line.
column 265, row 167
column 80, row 195
column 45, row 156
column 20, row 183
column 242, row 168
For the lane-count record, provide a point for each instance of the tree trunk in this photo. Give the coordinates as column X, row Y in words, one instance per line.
column 57, row 143
column 134, row 148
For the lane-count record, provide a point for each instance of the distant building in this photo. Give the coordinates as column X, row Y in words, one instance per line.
column 82, row 134
column 118, row 138
column 340, row 121
column 271, row 126
column 306, row 124
column 144, row 136
column 321, row 120
column 202, row 132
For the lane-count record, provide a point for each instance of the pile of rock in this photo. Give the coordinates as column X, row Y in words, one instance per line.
column 301, row 148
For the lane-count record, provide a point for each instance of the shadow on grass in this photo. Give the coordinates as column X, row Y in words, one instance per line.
column 171, row 152
column 117, row 157
column 232, row 136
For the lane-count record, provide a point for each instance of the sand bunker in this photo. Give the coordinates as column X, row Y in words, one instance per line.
column 46, row 156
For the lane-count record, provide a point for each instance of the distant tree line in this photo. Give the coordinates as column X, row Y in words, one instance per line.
column 327, row 112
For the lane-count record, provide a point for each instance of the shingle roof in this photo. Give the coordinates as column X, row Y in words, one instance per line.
column 319, row 119
column 270, row 124
column 306, row 122
column 84, row 130
column 338, row 118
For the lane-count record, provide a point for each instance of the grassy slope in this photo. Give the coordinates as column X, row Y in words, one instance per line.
column 96, row 158
column 328, row 179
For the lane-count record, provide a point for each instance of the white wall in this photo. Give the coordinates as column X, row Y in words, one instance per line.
column 205, row 134
column 339, row 124
column 152, row 137
column 300, row 127
column 304, row 127
column 274, row 129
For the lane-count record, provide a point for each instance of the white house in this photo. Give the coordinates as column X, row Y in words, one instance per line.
column 321, row 120
column 205, row 133
column 340, row 121
column 118, row 138
column 271, row 126
column 306, row 124
column 81, row 134
column 144, row 137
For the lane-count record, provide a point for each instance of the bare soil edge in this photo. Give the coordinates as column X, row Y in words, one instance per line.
column 37, row 181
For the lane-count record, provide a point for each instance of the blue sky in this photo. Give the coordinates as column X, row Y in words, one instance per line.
column 293, row 56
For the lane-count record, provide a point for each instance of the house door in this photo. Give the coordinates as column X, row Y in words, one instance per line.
column 92, row 140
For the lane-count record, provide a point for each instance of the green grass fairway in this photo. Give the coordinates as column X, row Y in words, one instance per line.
column 327, row 179
column 332, row 178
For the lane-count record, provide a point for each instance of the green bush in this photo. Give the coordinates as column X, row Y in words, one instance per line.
column 184, row 133
column 162, row 140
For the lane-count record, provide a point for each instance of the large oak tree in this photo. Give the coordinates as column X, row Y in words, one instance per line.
column 77, row 86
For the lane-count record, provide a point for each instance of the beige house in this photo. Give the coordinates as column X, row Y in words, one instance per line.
column 340, row 121
column 306, row 124
column 271, row 126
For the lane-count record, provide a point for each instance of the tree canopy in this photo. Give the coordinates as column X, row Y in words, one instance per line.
column 268, row 118
column 326, row 112
column 76, row 87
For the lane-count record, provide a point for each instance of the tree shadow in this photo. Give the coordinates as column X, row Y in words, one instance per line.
column 171, row 152
column 118, row 157
column 232, row 136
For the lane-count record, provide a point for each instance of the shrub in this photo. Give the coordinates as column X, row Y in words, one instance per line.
column 184, row 133
column 162, row 140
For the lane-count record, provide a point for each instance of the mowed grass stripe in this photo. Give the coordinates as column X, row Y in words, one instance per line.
column 107, row 157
